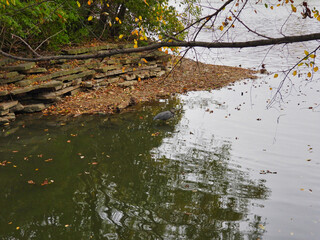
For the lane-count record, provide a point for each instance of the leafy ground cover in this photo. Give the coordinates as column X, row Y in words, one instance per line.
column 187, row 76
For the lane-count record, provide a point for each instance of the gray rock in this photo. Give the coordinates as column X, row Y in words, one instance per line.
column 7, row 105
column 127, row 83
column 34, row 108
column 4, row 112
column 18, row 108
column 19, row 67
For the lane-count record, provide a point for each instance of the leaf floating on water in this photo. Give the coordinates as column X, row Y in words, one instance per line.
column 48, row 160
column 31, row 182
column 94, row 163
column 45, row 182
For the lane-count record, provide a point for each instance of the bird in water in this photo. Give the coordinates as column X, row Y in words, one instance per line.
column 165, row 115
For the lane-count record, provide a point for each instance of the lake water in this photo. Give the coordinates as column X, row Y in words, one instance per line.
column 225, row 167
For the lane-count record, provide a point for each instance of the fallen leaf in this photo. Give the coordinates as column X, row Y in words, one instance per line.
column 31, row 182
column 45, row 182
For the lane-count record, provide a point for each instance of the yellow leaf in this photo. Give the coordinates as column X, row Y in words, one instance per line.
column 17, row 228
column 294, row 9
column 110, row 24
column 143, row 59
column 145, row 1
column 117, row 19
column 140, row 18
column 318, row 18
column 89, row 2
column 136, row 19
column 120, row 21
column 221, row 28
column 294, row 73
column 90, row 18
column 309, row 74
column 300, row 64
column 135, row 46
column 276, row 75
column 79, row 5
column 316, row 69
column 306, row 52
column 121, row 36
column 312, row 56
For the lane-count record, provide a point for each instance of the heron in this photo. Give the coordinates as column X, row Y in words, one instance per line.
column 165, row 115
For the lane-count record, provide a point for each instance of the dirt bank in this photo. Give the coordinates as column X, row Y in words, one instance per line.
column 188, row 76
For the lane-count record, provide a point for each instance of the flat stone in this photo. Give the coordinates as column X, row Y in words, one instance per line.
column 23, row 90
column 10, row 77
column 35, row 70
column 87, row 84
column 51, row 76
column 129, row 77
column 113, row 80
column 34, row 107
column 8, row 74
column 84, row 74
column 4, row 112
column 4, row 93
column 19, row 67
column 161, row 73
column 19, row 107
column 127, row 83
column 7, row 119
column 54, row 95
column 110, row 67
column 7, row 105
column 52, row 84
column 76, row 51
column 111, row 61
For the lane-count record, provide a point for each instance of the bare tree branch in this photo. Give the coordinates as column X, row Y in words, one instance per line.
column 22, row 40
column 247, row 44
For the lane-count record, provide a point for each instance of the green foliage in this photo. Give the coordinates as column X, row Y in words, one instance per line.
column 54, row 23
column 35, row 22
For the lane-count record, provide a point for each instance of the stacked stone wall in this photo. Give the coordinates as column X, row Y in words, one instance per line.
column 27, row 87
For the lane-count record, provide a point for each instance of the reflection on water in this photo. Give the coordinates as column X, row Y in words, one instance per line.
column 123, row 177
column 195, row 177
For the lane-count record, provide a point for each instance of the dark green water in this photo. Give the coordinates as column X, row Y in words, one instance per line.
column 109, row 180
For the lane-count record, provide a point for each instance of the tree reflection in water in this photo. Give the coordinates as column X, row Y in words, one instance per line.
column 151, row 182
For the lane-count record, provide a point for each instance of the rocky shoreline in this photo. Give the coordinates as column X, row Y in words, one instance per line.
column 107, row 86
column 27, row 87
